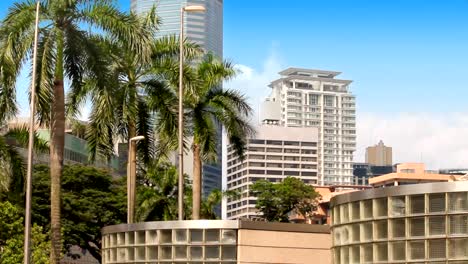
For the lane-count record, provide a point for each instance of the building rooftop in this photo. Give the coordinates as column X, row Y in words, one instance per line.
column 410, row 178
column 309, row 72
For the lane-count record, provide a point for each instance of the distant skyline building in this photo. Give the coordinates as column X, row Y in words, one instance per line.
column 379, row 155
column 204, row 28
column 362, row 172
column 316, row 98
column 275, row 153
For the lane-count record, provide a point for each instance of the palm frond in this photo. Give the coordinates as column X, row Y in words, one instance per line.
column 84, row 58
column 100, row 129
column 214, row 71
column 21, row 135
column 205, row 134
column 145, row 125
column 16, row 37
column 46, row 58
column 150, row 21
column 232, row 99
column 123, row 27
column 5, row 166
column 168, row 46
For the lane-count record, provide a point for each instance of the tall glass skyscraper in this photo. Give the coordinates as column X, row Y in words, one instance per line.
column 204, row 28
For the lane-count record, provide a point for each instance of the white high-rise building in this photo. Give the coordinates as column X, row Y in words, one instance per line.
column 316, row 98
column 204, row 28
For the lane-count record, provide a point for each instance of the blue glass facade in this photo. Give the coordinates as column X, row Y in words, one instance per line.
column 204, row 28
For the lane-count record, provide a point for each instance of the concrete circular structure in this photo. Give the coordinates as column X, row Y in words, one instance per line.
column 170, row 242
column 419, row 223
column 215, row 242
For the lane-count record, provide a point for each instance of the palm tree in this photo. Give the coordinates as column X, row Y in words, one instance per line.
column 157, row 197
column 139, row 99
column 209, row 203
column 12, row 171
column 67, row 50
column 209, row 106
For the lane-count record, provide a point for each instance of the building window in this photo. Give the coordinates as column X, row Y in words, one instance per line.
column 329, row 100
column 313, row 99
column 272, row 172
column 274, row 142
column 255, row 149
column 274, row 157
column 274, row 150
column 256, row 141
column 262, row 172
column 295, row 151
column 291, row 143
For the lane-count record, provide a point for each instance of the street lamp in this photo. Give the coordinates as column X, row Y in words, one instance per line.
column 191, row 8
column 131, row 178
column 27, row 222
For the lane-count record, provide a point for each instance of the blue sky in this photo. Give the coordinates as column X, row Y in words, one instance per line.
column 402, row 55
column 408, row 60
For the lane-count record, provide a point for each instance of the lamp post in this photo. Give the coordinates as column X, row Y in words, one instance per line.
column 191, row 8
column 27, row 222
column 131, row 178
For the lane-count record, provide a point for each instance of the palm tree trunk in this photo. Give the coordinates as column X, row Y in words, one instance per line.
column 197, row 171
column 57, row 143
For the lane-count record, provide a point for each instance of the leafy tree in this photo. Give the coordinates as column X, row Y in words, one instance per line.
column 277, row 201
column 67, row 51
column 91, row 200
column 12, row 169
column 12, row 237
column 209, row 106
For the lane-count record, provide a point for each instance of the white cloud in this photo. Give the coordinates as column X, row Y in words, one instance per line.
column 254, row 83
column 439, row 140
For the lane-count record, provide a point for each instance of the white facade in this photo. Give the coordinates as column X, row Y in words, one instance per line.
column 315, row 98
column 204, row 28
column 275, row 153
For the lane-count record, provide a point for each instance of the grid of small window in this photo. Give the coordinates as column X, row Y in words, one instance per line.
column 159, row 246
column 402, row 229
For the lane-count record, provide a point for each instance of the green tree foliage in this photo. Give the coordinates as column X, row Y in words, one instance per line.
column 12, row 238
column 68, row 52
column 157, row 196
column 139, row 97
column 277, row 201
column 209, row 203
column 91, row 200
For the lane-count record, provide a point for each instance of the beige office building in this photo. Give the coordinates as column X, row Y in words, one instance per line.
column 275, row 153
column 379, row 155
